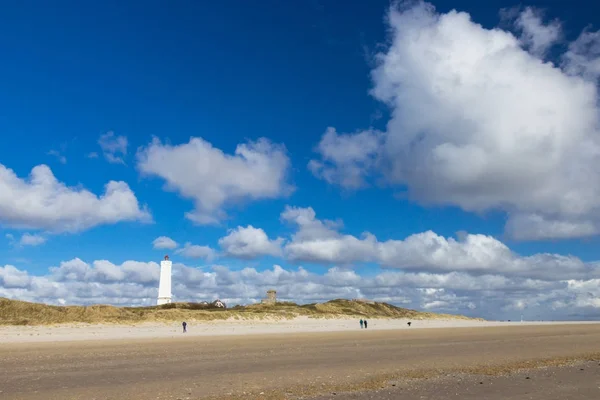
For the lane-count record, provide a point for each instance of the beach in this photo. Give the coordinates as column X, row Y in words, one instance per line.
column 575, row 381
column 287, row 359
column 154, row 330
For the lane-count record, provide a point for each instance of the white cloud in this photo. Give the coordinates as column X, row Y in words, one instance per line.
column 11, row 278
column 536, row 35
column 527, row 226
column 164, row 242
column 213, row 179
column 103, row 271
column 583, row 56
column 346, row 159
column 320, row 242
column 29, row 239
column 310, row 226
column 42, row 202
column 195, row 251
column 93, row 154
column 135, row 283
column 481, row 123
column 249, row 242
column 114, row 148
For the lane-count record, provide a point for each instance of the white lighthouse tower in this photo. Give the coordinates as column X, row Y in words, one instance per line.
column 164, row 285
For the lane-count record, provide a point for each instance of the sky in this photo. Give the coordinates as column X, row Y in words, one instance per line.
column 440, row 156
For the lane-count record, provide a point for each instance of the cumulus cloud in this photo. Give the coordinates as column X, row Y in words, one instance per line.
column 13, row 278
column 190, row 250
column 164, row 242
column 249, row 242
column 536, row 35
column 28, row 239
column 213, row 179
column 480, row 121
column 346, row 159
column 536, row 226
column 321, row 242
column 42, row 202
column 77, row 282
column 103, row 271
column 583, row 56
column 135, row 283
column 318, row 241
column 114, row 148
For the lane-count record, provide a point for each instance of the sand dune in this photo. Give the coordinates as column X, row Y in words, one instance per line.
column 14, row 312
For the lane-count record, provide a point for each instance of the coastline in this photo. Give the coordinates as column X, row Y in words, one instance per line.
column 232, row 327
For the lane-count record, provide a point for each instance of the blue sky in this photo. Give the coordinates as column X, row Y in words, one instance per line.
column 88, row 87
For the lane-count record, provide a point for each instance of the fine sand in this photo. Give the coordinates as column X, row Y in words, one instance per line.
column 154, row 330
column 277, row 362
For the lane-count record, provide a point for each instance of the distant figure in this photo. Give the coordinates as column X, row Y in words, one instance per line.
column 365, row 324
column 184, row 327
column 361, row 323
column 408, row 323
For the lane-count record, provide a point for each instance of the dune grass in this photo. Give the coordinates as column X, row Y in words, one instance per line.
column 14, row 312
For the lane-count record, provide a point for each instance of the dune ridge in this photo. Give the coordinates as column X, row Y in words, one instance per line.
column 16, row 312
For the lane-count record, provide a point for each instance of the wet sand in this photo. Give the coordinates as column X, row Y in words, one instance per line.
column 577, row 381
column 288, row 366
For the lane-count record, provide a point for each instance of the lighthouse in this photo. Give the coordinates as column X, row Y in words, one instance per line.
column 164, row 284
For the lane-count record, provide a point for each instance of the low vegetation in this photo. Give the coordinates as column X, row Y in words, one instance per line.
column 14, row 312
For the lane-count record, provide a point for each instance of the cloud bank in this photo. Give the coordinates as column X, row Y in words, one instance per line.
column 135, row 283
column 473, row 274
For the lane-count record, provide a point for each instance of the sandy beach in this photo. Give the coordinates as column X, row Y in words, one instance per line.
column 288, row 359
column 77, row 332
column 575, row 381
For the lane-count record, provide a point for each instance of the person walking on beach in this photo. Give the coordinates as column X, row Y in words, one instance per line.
column 365, row 324
column 184, row 327
column 361, row 323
